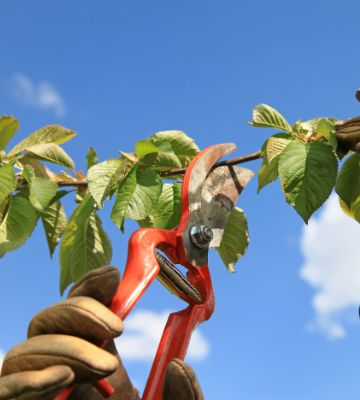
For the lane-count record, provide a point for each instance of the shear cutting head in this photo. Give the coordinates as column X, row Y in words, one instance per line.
column 208, row 196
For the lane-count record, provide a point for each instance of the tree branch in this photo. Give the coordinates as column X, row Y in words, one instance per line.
column 74, row 183
column 232, row 161
column 179, row 171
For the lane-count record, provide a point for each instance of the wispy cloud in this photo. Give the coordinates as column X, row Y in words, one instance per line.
column 330, row 246
column 42, row 95
column 142, row 334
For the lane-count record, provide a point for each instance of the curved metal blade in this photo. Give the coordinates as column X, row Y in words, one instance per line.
column 212, row 193
column 220, row 192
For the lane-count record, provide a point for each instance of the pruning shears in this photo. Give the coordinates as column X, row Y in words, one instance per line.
column 208, row 197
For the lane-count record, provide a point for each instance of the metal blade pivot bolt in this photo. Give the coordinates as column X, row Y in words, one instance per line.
column 201, row 236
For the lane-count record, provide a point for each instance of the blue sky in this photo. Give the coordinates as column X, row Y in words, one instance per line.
column 285, row 325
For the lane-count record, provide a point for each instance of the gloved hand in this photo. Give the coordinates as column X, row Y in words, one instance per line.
column 348, row 134
column 60, row 350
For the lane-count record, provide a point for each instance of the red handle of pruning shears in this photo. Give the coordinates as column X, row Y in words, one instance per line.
column 207, row 199
column 141, row 269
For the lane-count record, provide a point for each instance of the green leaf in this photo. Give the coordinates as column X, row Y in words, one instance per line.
column 3, row 208
column 145, row 147
column 85, row 245
column 167, row 211
column 235, row 239
column 52, row 153
column 354, row 211
column 28, row 173
column 182, row 145
column 326, row 129
column 271, row 151
column 8, row 127
column 91, row 158
column 299, row 129
column 104, row 177
column 307, row 174
column 348, row 180
column 136, row 195
column 129, row 156
column 267, row 117
column 158, row 153
column 41, row 193
column 48, row 134
column 267, row 173
column 7, row 181
column 276, row 144
column 37, row 167
column 54, row 223
column 18, row 224
column 312, row 124
column 162, row 161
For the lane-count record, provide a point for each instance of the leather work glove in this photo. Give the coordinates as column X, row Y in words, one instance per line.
column 348, row 134
column 60, row 350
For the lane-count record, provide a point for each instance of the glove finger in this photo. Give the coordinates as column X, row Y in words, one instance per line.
column 35, row 385
column 88, row 361
column 181, row 383
column 100, row 284
column 348, row 139
column 78, row 316
column 119, row 380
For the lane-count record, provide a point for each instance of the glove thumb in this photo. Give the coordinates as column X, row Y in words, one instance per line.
column 181, row 383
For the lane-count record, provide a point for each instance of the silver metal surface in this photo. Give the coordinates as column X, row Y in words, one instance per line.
column 175, row 281
column 212, row 195
column 201, row 236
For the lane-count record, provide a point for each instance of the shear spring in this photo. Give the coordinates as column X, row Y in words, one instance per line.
column 174, row 280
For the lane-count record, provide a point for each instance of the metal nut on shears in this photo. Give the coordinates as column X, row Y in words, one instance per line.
column 201, row 236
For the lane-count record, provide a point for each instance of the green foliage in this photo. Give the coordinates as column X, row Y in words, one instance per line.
column 166, row 212
column 304, row 155
column 91, row 158
column 85, row 245
column 307, row 174
column 306, row 159
column 41, row 193
column 54, row 222
column 353, row 211
column 167, row 150
column 50, row 152
column 7, row 181
column 265, row 116
column 348, row 181
column 48, row 134
column 182, row 145
column 326, row 129
column 8, row 127
column 136, row 196
column 17, row 225
column 271, row 151
column 275, row 145
column 267, row 173
column 103, row 178
column 235, row 239
column 36, row 184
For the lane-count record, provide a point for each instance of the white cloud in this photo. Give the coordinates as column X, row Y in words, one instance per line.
column 42, row 95
column 143, row 331
column 330, row 246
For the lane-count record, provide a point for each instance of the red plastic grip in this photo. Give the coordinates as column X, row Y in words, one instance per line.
column 141, row 269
